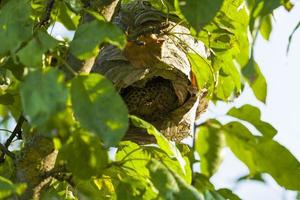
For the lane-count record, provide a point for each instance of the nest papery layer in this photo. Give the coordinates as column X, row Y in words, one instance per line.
column 157, row 58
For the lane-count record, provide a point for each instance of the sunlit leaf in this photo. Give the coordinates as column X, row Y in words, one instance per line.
column 252, row 115
column 225, row 87
column 170, row 185
column 99, row 108
column 202, row 183
column 90, row 35
column 202, row 69
column 68, row 18
column 288, row 5
column 31, row 55
column 171, row 163
column 256, row 80
column 263, row 155
column 186, row 191
column 135, row 188
column 163, row 143
column 206, row 10
column 133, row 157
column 15, row 25
column 209, row 143
column 74, row 5
column 47, row 98
column 87, row 189
column 7, row 188
column 230, row 69
column 266, row 27
column 84, row 155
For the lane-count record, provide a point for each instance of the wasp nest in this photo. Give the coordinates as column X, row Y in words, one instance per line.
column 152, row 73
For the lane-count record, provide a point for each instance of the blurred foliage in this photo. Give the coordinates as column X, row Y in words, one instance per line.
column 86, row 117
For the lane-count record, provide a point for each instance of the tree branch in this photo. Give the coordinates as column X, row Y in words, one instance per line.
column 46, row 18
column 108, row 11
column 60, row 173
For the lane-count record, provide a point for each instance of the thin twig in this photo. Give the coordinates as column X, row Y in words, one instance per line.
column 6, row 151
column 66, row 64
column 46, row 18
column 16, row 132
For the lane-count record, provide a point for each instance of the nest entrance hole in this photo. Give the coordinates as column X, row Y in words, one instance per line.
column 152, row 100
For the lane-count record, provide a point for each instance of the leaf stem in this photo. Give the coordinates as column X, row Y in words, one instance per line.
column 2, row 129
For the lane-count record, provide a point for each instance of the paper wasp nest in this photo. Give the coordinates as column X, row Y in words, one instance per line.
column 152, row 73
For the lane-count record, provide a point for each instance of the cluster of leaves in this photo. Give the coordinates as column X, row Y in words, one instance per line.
column 87, row 119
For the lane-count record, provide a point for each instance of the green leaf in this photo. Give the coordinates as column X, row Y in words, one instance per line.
column 135, row 188
column 186, row 191
column 15, row 25
column 198, row 13
column 266, row 27
column 213, row 195
column 133, row 157
column 68, row 18
column 43, row 94
column 167, row 146
column 291, row 37
column 252, row 115
column 90, row 35
column 169, row 184
column 228, row 194
column 7, row 188
column 99, row 108
column 255, row 177
column 261, row 8
column 84, row 155
column 256, row 80
column 170, row 162
column 202, row 69
column 288, row 5
column 230, row 69
column 225, row 87
column 32, row 54
column 87, row 189
column 209, row 143
column 7, row 168
column 6, row 99
column 58, row 190
column 263, row 155
column 60, row 124
column 202, row 183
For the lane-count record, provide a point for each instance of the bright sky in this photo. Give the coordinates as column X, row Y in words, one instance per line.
column 282, row 108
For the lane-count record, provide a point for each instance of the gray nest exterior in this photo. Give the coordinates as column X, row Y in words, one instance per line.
column 152, row 73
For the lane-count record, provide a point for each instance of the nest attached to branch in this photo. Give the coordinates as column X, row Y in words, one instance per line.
column 152, row 73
